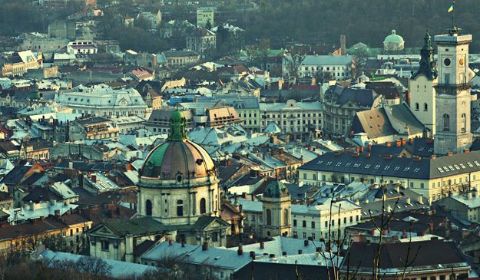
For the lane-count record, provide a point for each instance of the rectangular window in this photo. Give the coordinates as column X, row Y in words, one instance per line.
column 105, row 245
column 313, row 224
column 304, row 224
column 294, row 223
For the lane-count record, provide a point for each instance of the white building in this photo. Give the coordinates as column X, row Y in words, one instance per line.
column 102, row 100
column 297, row 118
column 338, row 67
column 82, row 47
column 308, row 221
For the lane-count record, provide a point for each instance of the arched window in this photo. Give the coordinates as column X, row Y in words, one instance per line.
column 446, row 122
column 417, row 106
column 464, row 122
column 203, row 206
column 148, row 207
column 269, row 217
column 285, row 217
column 425, row 107
column 180, row 208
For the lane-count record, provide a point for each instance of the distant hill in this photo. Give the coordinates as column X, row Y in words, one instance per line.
column 367, row 21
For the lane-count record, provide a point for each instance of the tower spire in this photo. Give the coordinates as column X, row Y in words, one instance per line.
column 427, row 63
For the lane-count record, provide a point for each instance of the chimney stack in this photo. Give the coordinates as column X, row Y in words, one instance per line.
column 205, row 246
column 262, row 246
column 240, row 250
column 305, row 243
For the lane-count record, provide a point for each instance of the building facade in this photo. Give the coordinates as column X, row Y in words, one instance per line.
column 296, row 118
column 432, row 178
column 341, row 104
column 326, row 66
column 102, row 100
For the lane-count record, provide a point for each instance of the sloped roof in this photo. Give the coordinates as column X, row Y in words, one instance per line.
column 401, row 167
column 373, row 122
column 393, row 255
column 343, row 95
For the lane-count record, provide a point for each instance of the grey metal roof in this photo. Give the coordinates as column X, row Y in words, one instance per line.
column 401, row 167
column 341, row 96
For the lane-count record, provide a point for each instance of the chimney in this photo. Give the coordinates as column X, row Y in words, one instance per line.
column 404, row 141
column 300, row 252
column 170, row 242
column 466, row 151
column 343, row 44
column 399, row 143
column 408, row 200
column 262, row 246
column 94, row 178
column 252, row 255
column 205, row 246
column 284, row 253
column 240, row 250
column 182, row 242
column 389, row 144
column 305, row 243
column 450, row 154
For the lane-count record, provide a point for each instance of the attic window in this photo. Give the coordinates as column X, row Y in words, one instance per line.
column 456, row 167
column 199, row 161
column 440, row 169
column 416, row 170
column 396, row 168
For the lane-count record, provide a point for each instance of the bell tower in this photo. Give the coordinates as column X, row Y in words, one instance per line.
column 453, row 100
column 422, row 87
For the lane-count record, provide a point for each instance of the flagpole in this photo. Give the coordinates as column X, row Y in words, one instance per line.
column 453, row 14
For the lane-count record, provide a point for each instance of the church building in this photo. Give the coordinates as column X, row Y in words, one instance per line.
column 178, row 187
column 178, row 199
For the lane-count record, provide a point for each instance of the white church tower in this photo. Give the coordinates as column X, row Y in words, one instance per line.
column 421, row 87
column 453, row 100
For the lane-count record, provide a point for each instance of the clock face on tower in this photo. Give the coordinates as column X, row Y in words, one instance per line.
column 447, row 61
column 461, row 61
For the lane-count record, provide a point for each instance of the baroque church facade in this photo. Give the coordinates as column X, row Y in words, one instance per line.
column 178, row 199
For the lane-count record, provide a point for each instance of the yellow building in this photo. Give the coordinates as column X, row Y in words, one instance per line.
column 432, row 178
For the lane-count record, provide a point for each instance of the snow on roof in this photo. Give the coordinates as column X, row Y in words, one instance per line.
column 118, row 269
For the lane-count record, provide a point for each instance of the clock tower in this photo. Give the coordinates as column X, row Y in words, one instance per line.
column 453, row 100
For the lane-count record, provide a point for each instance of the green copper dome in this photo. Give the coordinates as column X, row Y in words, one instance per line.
column 178, row 158
column 393, row 42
